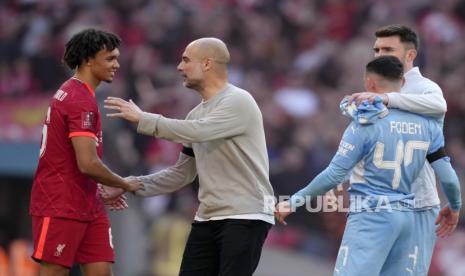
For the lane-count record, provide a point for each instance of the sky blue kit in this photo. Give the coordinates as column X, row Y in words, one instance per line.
column 385, row 151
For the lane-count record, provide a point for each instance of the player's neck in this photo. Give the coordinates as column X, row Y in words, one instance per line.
column 387, row 89
column 87, row 78
column 212, row 88
column 408, row 67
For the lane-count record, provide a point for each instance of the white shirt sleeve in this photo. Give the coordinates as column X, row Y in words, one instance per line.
column 430, row 102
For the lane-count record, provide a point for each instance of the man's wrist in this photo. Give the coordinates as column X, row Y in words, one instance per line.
column 138, row 117
column 455, row 207
column 126, row 185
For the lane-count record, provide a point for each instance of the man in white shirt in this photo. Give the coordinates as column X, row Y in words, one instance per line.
column 423, row 96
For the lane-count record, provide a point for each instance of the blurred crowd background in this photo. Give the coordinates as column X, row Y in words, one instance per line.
column 298, row 58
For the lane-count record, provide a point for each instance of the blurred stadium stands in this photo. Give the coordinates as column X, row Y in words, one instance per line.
column 297, row 57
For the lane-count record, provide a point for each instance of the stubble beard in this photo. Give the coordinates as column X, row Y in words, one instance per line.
column 192, row 85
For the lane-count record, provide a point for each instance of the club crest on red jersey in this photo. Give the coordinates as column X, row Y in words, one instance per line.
column 88, row 120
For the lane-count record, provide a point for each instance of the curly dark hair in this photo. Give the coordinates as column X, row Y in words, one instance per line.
column 86, row 44
column 405, row 34
column 388, row 67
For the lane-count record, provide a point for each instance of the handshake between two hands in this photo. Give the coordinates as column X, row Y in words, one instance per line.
column 114, row 197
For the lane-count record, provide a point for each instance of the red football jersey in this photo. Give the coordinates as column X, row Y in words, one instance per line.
column 59, row 188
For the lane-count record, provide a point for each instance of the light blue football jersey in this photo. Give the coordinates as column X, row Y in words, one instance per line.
column 386, row 158
column 388, row 155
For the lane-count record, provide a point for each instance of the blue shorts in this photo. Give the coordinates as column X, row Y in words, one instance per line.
column 424, row 239
column 376, row 243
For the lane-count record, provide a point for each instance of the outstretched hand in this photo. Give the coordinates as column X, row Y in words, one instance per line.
column 126, row 110
column 446, row 222
column 112, row 197
column 119, row 205
column 282, row 210
column 108, row 193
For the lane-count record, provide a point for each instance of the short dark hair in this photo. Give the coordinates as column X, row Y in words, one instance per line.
column 388, row 67
column 86, row 44
column 405, row 34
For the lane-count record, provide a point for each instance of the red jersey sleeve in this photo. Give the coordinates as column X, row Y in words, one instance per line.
column 82, row 118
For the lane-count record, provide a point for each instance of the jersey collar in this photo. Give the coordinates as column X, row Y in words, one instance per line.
column 91, row 91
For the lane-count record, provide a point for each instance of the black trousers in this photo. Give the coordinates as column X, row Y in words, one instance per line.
column 230, row 247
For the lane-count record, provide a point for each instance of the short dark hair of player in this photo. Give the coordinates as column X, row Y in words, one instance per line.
column 388, row 67
column 405, row 34
column 86, row 44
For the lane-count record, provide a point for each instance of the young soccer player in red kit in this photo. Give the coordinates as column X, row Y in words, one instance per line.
column 69, row 221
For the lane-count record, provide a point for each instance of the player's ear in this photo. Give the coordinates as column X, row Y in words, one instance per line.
column 86, row 62
column 411, row 55
column 370, row 84
column 207, row 64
